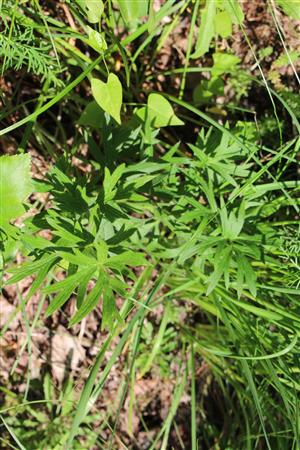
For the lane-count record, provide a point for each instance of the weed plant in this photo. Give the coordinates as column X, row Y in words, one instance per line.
column 186, row 205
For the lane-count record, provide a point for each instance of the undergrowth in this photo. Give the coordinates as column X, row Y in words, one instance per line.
column 159, row 197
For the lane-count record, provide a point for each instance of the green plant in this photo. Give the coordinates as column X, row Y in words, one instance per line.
column 44, row 423
column 199, row 221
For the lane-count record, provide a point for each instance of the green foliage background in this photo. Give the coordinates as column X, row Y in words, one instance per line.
column 202, row 218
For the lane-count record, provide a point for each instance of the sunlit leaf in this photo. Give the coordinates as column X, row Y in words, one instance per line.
column 224, row 62
column 221, row 263
column 159, row 112
column 15, row 187
column 109, row 309
column 108, row 95
column 223, row 24
column 290, row 7
column 96, row 40
column 92, row 8
column 234, row 9
column 206, row 30
column 132, row 10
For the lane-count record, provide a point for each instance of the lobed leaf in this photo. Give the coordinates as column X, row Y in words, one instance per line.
column 91, row 300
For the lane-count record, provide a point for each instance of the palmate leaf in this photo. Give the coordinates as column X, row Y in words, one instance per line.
column 81, row 290
column 232, row 224
column 215, row 153
column 110, row 181
column 109, row 309
column 225, row 169
column 66, row 288
column 15, row 187
column 92, row 299
column 81, row 269
column 245, row 273
column 221, row 261
column 84, row 269
column 127, row 258
column 25, row 270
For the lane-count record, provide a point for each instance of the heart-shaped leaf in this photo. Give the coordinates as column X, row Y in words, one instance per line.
column 96, row 40
column 159, row 111
column 108, row 95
